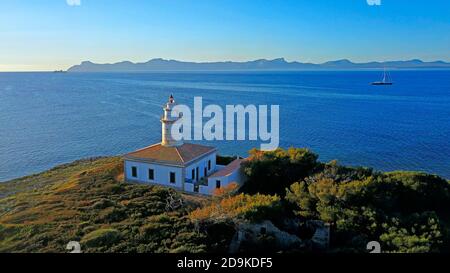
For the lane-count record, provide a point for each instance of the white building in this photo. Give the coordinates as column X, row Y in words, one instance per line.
column 184, row 166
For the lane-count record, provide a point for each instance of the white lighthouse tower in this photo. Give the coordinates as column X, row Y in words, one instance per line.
column 167, row 121
column 181, row 165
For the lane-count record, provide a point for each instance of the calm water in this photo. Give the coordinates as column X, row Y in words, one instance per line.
column 50, row 118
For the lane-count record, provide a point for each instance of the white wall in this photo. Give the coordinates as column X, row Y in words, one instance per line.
column 189, row 187
column 235, row 176
column 161, row 173
column 202, row 164
column 205, row 190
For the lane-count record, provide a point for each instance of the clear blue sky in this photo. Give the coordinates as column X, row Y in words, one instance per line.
column 51, row 34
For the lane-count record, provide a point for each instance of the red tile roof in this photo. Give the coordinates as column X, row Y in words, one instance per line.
column 228, row 169
column 175, row 155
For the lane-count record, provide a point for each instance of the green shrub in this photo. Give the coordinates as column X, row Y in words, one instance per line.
column 101, row 237
column 271, row 172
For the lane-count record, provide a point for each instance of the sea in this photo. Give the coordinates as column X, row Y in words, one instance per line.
column 48, row 119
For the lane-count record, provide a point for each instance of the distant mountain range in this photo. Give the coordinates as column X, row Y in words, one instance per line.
column 262, row 64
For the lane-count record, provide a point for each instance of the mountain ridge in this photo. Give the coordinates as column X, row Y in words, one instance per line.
column 160, row 64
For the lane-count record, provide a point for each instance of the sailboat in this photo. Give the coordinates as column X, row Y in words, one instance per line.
column 385, row 81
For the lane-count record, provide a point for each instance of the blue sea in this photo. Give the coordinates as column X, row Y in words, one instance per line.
column 51, row 118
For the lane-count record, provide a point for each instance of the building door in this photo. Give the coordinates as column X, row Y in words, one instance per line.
column 196, row 174
column 217, row 184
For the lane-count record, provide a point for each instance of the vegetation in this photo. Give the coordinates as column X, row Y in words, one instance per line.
column 405, row 211
column 250, row 207
column 224, row 160
column 87, row 201
column 271, row 172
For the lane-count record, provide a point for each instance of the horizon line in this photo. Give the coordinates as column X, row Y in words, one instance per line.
column 245, row 61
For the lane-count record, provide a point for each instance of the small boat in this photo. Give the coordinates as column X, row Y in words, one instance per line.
column 385, row 81
column 59, row 71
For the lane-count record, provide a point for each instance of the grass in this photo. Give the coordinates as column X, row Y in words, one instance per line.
column 87, row 201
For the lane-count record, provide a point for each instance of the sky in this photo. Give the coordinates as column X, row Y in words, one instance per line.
column 40, row 35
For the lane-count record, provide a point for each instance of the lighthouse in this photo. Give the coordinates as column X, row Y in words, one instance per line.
column 167, row 120
column 181, row 165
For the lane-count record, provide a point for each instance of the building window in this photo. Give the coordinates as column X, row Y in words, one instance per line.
column 172, row 177
column 134, row 171
column 151, row 174
column 217, row 184
column 209, row 165
column 193, row 174
column 205, row 173
column 196, row 173
column 263, row 230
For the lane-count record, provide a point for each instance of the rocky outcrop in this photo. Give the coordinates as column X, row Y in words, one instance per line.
column 252, row 231
column 247, row 232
